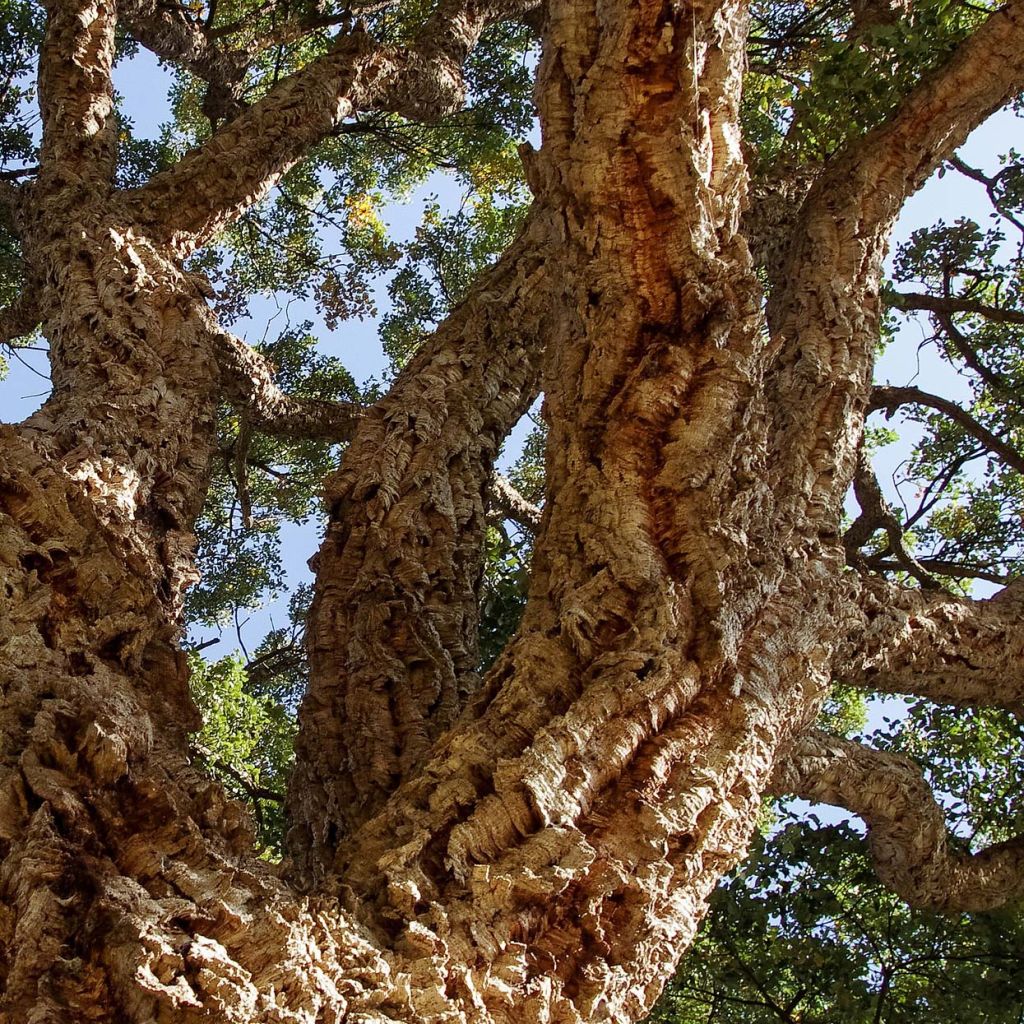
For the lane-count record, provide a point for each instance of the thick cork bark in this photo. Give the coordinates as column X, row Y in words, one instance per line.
column 538, row 845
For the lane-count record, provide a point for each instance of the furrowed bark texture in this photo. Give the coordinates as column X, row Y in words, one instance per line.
column 686, row 594
column 392, row 630
column 537, row 846
column 947, row 649
column 572, row 823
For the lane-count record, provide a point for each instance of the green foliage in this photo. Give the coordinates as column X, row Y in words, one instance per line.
column 445, row 257
column 255, row 492
column 819, row 79
column 504, row 591
column 23, row 29
column 974, row 758
column 806, row 933
column 19, row 43
column 970, row 503
column 246, row 741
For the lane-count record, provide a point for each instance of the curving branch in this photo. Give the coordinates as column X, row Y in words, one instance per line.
column 910, row 846
column 871, row 179
column 249, row 383
column 188, row 203
column 948, row 649
column 823, row 309
column 913, row 302
column 877, row 513
column 167, row 31
column 209, row 53
column 890, row 399
column 983, row 74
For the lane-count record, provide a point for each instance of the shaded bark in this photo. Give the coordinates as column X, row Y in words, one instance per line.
column 392, row 630
column 19, row 318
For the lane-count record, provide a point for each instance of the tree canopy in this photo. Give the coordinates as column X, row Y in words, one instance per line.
column 271, row 179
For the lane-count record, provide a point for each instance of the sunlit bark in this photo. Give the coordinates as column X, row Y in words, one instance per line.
column 907, row 834
column 948, row 649
column 392, row 630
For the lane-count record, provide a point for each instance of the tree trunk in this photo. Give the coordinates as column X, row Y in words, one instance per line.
column 539, row 845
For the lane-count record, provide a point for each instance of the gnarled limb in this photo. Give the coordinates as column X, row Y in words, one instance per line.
column 130, row 419
column 512, row 505
column 249, row 383
column 907, row 835
column 173, row 35
column 949, row 649
column 211, row 55
column 823, row 309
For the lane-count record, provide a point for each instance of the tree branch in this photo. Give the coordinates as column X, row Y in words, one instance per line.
column 970, row 355
column 983, row 74
column 943, row 567
column 513, row 505
column 212, row 185
column 990, row 188
column 76, row 95
column 890, row 399
column 911, row 302
column 823, row 309
column 907, row 835
column 876, row 512
column 171, row 34
column 948, row 649
column 249, row 383
column 255, row 792
column 392, row 632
